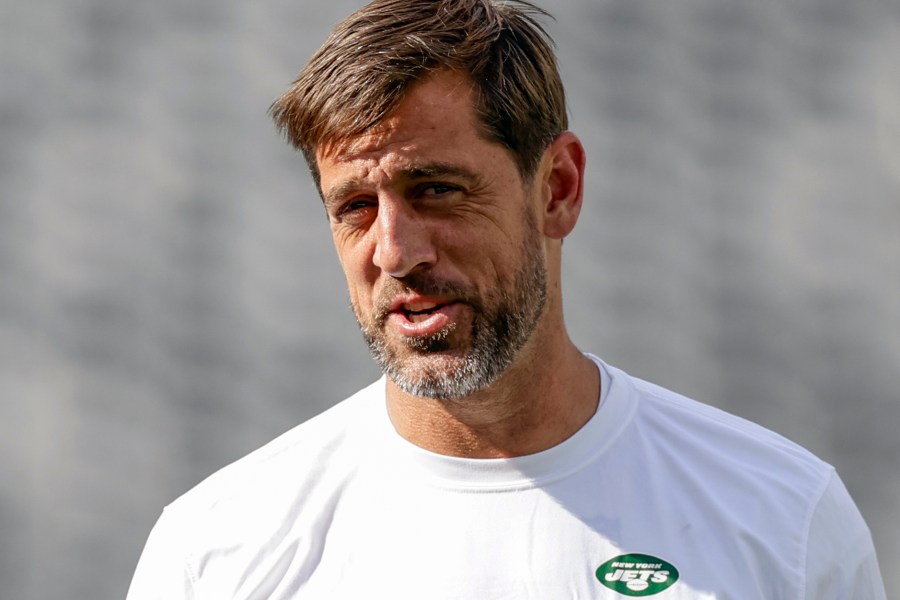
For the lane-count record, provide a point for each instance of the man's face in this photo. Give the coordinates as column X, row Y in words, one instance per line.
column 437, row 236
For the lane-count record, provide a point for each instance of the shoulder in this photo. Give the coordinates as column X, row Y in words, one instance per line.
column 238, row 516
column 274, row 478
column 721, row 468
column 728, row 485
column 713, row 435
column 305, row 447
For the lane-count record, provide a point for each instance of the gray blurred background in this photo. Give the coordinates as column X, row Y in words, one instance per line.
column 170, row 299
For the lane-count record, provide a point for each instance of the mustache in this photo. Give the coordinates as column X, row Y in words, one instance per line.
column 424, row 284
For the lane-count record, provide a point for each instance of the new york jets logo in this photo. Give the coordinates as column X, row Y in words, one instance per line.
column 637, row 574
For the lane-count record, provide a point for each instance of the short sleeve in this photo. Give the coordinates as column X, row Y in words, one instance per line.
column 841, row 562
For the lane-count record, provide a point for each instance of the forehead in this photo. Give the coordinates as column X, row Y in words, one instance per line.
column 436, row 115
column 433, row 132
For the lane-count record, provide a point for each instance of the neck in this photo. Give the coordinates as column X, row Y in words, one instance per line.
column 546, row 395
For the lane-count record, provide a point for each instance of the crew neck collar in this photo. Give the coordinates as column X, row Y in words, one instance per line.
column 614, row 410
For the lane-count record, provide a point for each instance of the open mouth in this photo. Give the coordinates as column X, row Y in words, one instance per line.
column 424, row 317
column 417, row 314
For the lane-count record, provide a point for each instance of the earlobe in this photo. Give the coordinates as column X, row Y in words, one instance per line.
column 563, row 184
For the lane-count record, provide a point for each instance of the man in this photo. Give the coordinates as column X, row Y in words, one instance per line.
column 494, row 459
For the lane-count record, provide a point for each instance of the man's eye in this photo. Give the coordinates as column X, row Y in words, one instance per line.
column 354, row 211
column 436, row 189
column 356, row 205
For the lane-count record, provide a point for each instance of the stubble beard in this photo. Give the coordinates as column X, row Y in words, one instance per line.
column 502, row 323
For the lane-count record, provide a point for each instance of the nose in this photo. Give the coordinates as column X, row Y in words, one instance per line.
column 403, row 241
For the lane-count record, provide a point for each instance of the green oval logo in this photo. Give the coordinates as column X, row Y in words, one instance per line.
column 637, row 574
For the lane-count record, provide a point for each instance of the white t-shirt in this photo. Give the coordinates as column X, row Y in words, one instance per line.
column 657, row 495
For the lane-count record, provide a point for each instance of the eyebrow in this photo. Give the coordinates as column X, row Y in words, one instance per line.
column 412, row 173
column 431, row 170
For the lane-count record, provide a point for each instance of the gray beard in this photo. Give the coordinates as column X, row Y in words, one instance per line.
column 498, row 333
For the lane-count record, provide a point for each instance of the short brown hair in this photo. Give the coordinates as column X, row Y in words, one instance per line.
column 363, row 70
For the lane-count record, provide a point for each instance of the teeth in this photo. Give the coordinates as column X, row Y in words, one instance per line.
column 419, row 307
column 417, row 312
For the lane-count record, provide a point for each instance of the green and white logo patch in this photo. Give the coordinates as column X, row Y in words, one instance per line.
column 637, row 574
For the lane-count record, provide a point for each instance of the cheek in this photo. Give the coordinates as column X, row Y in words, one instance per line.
column 349, row 251
column 492, row 254
column 360, row 297
column 358, row 270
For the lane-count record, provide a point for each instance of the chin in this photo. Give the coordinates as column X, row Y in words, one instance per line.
column 441, row 375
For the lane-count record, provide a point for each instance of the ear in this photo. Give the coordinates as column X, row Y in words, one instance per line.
column 563, row 184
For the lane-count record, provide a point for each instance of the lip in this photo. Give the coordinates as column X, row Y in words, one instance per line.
column 413, row 301
column 434, row 315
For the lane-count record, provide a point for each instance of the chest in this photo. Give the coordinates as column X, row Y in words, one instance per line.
column 531, row 544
